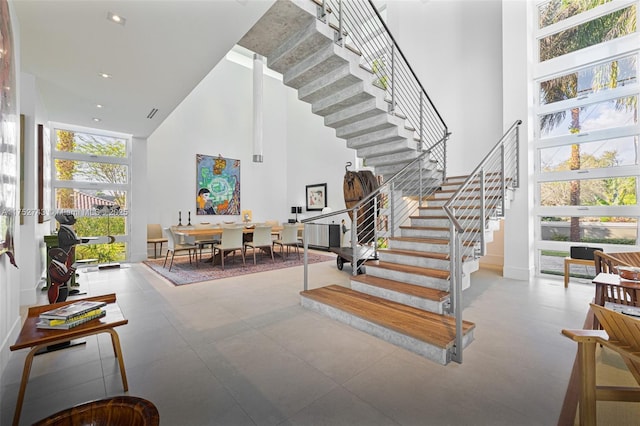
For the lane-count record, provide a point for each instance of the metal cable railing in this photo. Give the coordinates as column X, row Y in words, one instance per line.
column 360, row 27
column 382, row 213
column 479, row 199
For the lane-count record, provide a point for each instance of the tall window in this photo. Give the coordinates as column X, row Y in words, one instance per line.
column 91, row 181
column 587, row 132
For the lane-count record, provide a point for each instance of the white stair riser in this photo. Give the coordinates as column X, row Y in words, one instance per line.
column 416, row 246
column 405, row 277
column 426, row 350
column 427, row 221
column 405, row 299
column 386, row 148
column 423, row 262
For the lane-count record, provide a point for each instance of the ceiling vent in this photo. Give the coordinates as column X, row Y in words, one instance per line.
column 152, row 113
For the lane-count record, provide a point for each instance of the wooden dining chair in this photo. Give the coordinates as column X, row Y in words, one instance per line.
column 230, row 241
column 174, row 246
column 288, row 239
column 261, row 240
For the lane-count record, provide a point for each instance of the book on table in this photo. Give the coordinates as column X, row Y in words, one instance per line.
column 59, row 324
column 72, row 310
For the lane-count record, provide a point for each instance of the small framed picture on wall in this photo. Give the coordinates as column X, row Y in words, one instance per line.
column 316, row 196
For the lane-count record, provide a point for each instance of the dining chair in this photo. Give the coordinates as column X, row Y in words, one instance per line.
column 205, row 241
column 173, row 247
column 289, row 238
column 155, row 237
column 230, row 241
column 261, row 240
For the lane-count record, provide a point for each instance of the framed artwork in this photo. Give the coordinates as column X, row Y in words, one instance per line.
column 10, row 124
column 217, row 185
column 316, row 196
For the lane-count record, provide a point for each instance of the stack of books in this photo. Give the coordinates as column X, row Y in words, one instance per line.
column 72, row 315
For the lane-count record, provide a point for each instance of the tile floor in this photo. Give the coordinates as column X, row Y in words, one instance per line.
column 241, row 351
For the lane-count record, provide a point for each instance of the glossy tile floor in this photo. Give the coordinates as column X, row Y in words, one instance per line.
column 242, row 351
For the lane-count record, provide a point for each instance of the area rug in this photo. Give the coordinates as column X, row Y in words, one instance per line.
column 184, row 273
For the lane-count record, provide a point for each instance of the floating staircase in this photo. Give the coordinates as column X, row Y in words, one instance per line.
column 339, row 83
column 405, row 297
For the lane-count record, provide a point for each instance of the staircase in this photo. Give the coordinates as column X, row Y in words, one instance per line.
column 348, row 67
column 347, row 87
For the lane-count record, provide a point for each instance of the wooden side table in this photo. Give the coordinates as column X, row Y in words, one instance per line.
column 568, row 261
column 36, row 338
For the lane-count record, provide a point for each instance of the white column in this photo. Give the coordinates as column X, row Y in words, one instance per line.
column 258, row 65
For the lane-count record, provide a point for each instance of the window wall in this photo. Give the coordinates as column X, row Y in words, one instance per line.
column 586, row 130
column 91, row 181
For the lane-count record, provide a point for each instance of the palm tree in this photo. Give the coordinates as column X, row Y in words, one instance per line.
column 596, row 31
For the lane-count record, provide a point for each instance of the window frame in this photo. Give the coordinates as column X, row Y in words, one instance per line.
column 557, row 67
column 79, row 185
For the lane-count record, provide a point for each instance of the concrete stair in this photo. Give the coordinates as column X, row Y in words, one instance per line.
column 404, row 295
column 331, row 78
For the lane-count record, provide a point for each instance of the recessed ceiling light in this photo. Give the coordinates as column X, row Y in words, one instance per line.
column 98, row 105
column 105, row 75
column 116, row 18
column 96, row 119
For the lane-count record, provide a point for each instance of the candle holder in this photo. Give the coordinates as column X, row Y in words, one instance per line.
column 189, row 224
column 179, row 218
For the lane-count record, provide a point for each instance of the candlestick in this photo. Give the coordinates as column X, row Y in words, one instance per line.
column 179, row 218
column 189, row 224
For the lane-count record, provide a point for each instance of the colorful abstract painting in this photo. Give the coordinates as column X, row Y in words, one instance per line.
column 218, row 185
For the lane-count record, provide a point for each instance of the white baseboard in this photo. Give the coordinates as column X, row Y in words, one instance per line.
column 522, row 274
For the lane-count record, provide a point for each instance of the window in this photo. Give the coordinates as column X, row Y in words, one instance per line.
column 587, row 131
column 91, row 181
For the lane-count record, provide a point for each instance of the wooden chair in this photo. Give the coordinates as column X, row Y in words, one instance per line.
column 230, row 241
column 118, row 410
column 289, row 238
column 155, row 237
column 607, row 263
column 173, row 247
column 621, row 334
column 261, row 240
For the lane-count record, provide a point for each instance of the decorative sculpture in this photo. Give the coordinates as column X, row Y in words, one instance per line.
column 61, row 267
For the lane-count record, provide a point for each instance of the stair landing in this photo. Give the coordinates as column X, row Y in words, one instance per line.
column 425, row 333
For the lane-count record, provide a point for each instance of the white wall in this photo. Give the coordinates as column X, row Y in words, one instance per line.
column 216, row 118
column 454, row 47
column 10, row 283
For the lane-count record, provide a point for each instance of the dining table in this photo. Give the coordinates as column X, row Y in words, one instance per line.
column 215, row 231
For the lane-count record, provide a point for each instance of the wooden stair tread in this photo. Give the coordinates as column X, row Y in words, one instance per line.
column 423, row 254
column 400, row 287
column 438, row 330
column 427, row 272
column 420, row 239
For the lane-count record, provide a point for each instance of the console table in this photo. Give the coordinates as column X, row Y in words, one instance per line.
column 36, row 338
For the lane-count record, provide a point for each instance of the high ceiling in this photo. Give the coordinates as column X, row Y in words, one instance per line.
column 155, row 60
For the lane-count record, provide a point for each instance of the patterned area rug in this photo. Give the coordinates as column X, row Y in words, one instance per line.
column 184, row 273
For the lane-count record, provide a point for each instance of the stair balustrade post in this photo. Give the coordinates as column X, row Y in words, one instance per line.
column 338, row 39
column 392, row 207
column 503, row 204
column 322, row 11
column 420, row 136
column 420, row 189
column 375, row 226
column 444, row 155
column 393, row 81
column 483, row 210
column 305, row 245
column 517, row 159
column 354, row 243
